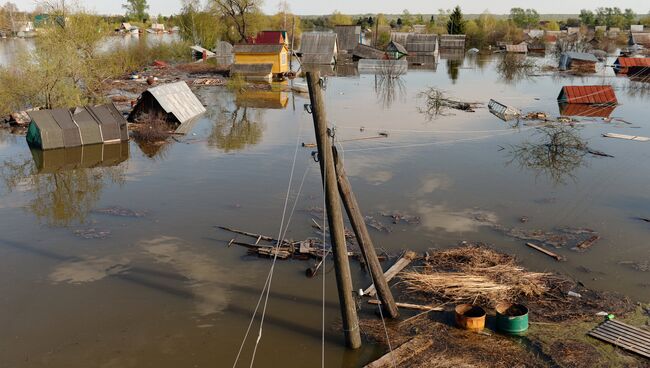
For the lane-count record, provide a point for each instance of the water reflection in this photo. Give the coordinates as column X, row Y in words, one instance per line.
column 66, row 184
column 453, row 68
column 558, row 152
column 238, row 129
column 389, row 88
column 513, row 68
column 602, row 111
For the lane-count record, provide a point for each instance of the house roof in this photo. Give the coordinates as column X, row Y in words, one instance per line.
column 269, row 38
column 178, row 100
column 575, row 109
column 632, row 61
column 395, row 46
column 418, row 43
column 584, row 56
column 588, row 95
column 368, row 52
column 348, row 36
column 522, row 48
column 318, row 47
column 258, row 49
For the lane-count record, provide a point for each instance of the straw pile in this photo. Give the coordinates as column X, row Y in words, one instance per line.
column 475, row 273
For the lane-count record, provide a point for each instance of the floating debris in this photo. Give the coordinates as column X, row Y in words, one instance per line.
column 638, row 266
column 401, row 217
column 120, row 212
column 375, row 224
column 92, row 233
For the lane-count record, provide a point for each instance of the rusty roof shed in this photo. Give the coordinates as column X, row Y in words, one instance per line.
column 587, row 95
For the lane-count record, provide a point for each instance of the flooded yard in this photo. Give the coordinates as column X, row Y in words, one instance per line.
column 111, row 256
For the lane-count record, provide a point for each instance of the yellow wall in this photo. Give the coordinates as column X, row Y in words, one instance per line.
column 275, row 59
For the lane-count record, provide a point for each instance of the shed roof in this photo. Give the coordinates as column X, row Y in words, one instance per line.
column 348, row 36
column 521, row 48
column 584, row 56
column 258, row 49
column 575, row 109
column 51, row 135
column 397, row 47
column 638, row 38
column 588, row 95
column 201, row 50
column 417, row 43
column 368, row 52
column 452, row 41
column 176, row 99
column 318, row 47
column 632, row 61
column 223, row 49
column 269, row 38
column 399, row 37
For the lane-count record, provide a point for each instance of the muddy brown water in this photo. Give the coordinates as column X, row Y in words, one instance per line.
column 162, row 289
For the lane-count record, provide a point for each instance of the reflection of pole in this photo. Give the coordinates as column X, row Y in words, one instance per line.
column 363, row 238
column 334, row 214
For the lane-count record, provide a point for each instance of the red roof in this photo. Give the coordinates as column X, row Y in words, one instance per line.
column 633, row 61
column 268, row 38
column 586, row 110
column 588, row 95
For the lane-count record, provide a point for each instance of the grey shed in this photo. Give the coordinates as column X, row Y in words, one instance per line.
column 367, row 52
column 567, row 58
column 318, row 48
column 452, row 41
column 348, row 36
column 175, row 101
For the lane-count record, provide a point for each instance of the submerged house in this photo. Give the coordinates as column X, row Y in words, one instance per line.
column 626, row 65
column 521, row 48
column 589, row 111
column 452, row 42
column 277, row 54
column 348, row 37
column 319, row 48
column 367, row 52
column 62, row 128
column 396, row 51
column 602, row 95
column 174, row 102
column 416, row 43
column 579, row 62
column 157, row 28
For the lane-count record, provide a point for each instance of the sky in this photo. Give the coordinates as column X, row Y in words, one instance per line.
column 316, row 7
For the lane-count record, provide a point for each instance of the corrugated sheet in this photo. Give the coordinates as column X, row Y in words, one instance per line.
column 636, row 28
column 109, row 125
column 252, row 69
column 318, row 47
column 396, row 47
column 50, row 132
column 632, row 61
column 257, row 49
column 503, row 112
column 370, row 66
column 177, row 99
column 416, row 43
column 90, row 131
column 348, row 36
column 452, row 41
column 586, row 110
column 568, row 57
column 71, row 132
column 368, row 52
column 588, row 95
column 399, row 37
column 628, row 337
column 522, row 48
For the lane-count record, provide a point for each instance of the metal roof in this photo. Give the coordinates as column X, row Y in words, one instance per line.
column 574, row 109
column 640, row 39
column 452, row 41
column 368, row 52
column 177, row 99
column 318, row 47
column 397, row 47
column 258, row 49
column 584, row 56
column 588, row 95
column 632, row 61
column 348, row 36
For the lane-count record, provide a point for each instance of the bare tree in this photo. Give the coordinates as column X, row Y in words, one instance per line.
column 241, row 13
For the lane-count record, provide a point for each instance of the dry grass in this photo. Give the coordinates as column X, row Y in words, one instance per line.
column 475, row 274
column 151, row 129
column 201, row 68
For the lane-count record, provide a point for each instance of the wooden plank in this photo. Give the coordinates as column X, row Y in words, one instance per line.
column 628, row 137
column 546, row 251
column 401, row 263
column 403, row 353
column 624, row 336
column 425, row 308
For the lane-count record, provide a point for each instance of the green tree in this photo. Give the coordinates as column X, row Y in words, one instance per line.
column 199, row 26
column 524, row 18
column 136, row 10
column 245, row 16
column 339, row 19
column 456, row 24
column 552, row 26
column 587, row 17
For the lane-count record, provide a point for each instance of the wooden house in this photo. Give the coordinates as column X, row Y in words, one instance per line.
column 642, row 39
column 319, row 48
column 396, row 51
column 367, row 52
column 578, row 62
column 278, row 55
column 416, row 43
column 269, row 38
column 590, row 95
column 452, row 42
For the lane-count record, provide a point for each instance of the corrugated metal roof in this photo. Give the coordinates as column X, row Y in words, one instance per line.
column 584, row 56
column 522, row 48
column 586, row 110
column 177, row 99
column 368, row 52
column 399, row 37
column 452, row 41
column 588, row 95
column 50, row 132
column 258, row 49
column 269, row 38
column 348, row 36
column 318, row 47
column 417, row 43
column 632, row 61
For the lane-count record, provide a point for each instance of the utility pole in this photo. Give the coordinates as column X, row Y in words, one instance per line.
column 293, row 32
column 363, row 238
column 334, row 214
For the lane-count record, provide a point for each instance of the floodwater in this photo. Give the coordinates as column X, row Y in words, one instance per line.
column 152, row 283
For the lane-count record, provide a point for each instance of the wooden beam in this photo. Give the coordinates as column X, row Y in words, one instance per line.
column 546, row 251
column 401, row 263
column 425, row 308
column 403, row 353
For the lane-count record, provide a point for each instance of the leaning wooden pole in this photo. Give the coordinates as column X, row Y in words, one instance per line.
column 334, row 214
column 363, row 238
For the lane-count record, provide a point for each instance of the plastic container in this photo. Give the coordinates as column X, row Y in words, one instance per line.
column 511, row 318
column 470, row 317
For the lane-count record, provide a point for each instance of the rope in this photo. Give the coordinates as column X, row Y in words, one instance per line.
column 323, row 263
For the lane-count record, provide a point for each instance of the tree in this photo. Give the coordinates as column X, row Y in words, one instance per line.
column 339, row 19
column 524, row 18
column 243, row 15
column 587, row 17
column 552, row 26
column 198, row 25
column 136, row 9
column 456, row 24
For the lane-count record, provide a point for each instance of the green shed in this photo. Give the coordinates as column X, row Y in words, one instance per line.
column 60, row 128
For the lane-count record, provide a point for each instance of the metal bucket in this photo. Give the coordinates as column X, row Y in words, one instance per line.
column 470, row 317
column 512, row 318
